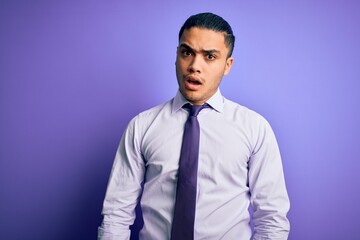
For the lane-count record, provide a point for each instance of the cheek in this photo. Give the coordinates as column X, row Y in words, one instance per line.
column 179, row 70
column 179, row 64
column 217, row 75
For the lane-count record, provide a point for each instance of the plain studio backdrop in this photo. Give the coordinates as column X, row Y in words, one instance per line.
column 73, row 73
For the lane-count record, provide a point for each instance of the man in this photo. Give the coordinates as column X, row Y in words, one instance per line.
column 237, row 161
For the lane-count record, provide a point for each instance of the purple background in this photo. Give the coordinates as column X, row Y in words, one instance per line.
column 72, row 74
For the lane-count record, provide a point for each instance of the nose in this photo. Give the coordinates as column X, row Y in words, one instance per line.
column 195, row 65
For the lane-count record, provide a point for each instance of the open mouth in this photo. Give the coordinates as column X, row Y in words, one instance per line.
column 191, row 79
column 192, row 83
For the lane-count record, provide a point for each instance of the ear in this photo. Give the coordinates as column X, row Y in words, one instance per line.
column 229, row 62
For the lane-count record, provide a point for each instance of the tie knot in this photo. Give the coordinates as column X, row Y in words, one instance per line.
column 195, row 109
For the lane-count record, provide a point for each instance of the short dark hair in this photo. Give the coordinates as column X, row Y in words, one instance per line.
column 212, row 22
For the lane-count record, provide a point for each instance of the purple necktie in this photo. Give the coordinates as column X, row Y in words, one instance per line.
column 184, row 213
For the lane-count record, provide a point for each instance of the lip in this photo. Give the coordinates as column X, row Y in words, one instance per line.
column 192, row 82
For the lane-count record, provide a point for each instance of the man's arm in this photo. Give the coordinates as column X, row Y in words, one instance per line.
column 269, row 198
column 124, row 188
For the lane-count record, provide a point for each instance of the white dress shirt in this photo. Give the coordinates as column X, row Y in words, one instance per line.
column 239, row 165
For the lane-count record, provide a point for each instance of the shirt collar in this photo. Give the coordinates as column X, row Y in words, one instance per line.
column 216, row 101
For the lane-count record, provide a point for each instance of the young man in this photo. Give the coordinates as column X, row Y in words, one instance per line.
column 237, row 161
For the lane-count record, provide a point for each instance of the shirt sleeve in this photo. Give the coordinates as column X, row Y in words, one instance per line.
column 269, row 198
column 124, row 188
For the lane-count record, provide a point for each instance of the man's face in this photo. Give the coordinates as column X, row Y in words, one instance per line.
column 201, row 62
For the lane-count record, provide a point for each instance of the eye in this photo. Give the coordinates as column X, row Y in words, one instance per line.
column 210, row 57
column 186, row 53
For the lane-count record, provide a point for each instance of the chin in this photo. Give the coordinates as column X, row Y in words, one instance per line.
column 193, row 99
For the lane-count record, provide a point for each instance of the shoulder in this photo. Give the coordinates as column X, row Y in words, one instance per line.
column 154, row 111
column 254, row 125
column 147, row 117
column 238, row 112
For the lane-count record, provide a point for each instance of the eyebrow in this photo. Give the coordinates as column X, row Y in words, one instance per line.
column 208, row 51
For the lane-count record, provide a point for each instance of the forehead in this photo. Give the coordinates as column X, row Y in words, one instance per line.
column 200, row 38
